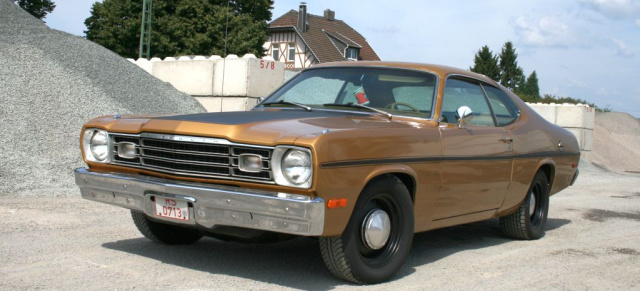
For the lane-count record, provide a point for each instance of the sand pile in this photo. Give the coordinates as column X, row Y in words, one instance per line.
column 616, row 142
column 51, row 83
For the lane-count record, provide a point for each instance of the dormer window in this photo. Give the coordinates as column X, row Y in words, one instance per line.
column 351, row 53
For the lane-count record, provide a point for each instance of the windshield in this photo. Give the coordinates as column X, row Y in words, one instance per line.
column 399, row 92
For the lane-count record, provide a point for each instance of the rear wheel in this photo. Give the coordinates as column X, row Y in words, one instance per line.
column 378, row 238
column 528, row 222
column 163, row 233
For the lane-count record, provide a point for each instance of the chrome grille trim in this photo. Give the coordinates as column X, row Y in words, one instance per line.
column 194, row 157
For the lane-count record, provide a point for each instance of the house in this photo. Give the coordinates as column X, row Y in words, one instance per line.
column 300, row 39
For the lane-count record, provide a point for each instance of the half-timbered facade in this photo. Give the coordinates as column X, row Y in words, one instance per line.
column 300, row 40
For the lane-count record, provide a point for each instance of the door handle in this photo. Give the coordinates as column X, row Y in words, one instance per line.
column 506, row 139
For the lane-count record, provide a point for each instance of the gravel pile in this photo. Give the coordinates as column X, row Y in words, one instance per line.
column 616, row 142
column 51, row 83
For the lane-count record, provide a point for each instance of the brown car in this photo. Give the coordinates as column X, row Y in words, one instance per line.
column 359, row 154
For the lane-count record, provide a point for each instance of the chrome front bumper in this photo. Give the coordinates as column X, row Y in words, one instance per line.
column 209, row 204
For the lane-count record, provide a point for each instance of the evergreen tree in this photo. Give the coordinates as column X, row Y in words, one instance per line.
column 185, row 27
column 531, row 85
column 511, row 75
column 486, row 63
column 38, row 8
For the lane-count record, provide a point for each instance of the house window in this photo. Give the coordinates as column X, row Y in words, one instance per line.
column 292, row 52
column 276, row 52
column 352, row 53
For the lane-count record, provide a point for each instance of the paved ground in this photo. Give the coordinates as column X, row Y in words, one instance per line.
column 592, row 242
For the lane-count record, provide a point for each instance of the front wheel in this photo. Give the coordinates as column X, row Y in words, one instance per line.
column 377, row 240
column 163, row 233
column 528, row 222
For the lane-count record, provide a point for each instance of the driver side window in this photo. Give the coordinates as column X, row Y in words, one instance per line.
column 459, row 93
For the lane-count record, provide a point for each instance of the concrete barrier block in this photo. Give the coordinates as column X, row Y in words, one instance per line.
column 169, row 59
column 195, row 78
column 145, row 64
column 231, row 56
column 230, row 77
column 131, row 60
column 234, row 104
column 264, row 77
column 199, row 58
column 184, row 58
column 587, row 143
column 547, row 111
column 211, row 104
column 569, row 115
column 249, row 56
column 215, row 57
column 589, row 117
column 586, row 155
column 155, row 59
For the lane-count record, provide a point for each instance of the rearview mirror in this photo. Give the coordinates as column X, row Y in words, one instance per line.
column 464, row 115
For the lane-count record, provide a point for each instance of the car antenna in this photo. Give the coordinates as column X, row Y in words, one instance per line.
column 224, row 60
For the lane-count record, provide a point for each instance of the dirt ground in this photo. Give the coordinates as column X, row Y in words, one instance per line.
column 592, row 242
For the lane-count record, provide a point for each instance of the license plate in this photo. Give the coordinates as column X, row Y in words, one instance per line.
column 172, row 208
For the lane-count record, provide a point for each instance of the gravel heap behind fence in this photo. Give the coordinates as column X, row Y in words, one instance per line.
column 51, row 83
column 616, row 142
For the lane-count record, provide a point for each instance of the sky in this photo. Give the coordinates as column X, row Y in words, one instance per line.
column 587, row 49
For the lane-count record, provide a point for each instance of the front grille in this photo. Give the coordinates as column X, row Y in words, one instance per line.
column 192, row 156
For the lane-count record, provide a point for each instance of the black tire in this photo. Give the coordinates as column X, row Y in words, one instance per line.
column 525, row 224
column 350, row 258
column 163, row 233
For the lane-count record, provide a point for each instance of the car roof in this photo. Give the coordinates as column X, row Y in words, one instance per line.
column 441, row 70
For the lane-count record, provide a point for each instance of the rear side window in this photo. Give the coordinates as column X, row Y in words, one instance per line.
column 505, row 110
column 459, row 93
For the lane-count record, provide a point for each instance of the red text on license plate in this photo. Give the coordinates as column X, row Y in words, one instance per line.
column 172, row 208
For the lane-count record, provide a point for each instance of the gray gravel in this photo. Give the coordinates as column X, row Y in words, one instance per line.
column 616, row 142
column 51, row 83
column 67, row 243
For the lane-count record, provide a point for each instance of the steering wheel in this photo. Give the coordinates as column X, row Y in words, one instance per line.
column 394, row 106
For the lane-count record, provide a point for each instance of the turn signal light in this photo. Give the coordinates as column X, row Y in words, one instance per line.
column 337, row 203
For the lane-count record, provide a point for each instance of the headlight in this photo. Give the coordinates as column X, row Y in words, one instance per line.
column 292, row 166
column 296, row 166
column 95, row 144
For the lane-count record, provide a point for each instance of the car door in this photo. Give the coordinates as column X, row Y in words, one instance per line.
column 477, row 157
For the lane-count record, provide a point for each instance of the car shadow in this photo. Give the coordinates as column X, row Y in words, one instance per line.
column 298, row 264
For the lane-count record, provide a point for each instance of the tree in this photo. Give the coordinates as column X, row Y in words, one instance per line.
column 486, row 63
column 182, row 27
column 511, row 75
column 531, row 85
column 38, row 8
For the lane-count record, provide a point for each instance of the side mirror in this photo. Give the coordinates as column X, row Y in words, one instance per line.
column 464, row 115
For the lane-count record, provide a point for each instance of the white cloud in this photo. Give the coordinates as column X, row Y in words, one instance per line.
column 544, row 31
column 614, row 8
column 622, row 49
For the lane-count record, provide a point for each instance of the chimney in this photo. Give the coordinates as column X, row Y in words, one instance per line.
column 302, row 17
column 329, row 14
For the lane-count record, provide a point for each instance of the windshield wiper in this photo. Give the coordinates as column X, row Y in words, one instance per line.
column 353, row 105
column 307, row 108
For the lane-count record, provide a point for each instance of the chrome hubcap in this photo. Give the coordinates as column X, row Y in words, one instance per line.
column 376, row 228
column 532, row 203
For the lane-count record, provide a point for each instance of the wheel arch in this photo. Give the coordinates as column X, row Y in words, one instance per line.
column 548, row 167
column 403, row 173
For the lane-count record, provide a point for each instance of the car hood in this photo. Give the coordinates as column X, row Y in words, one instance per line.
column 332, row 135
column 264, row 127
